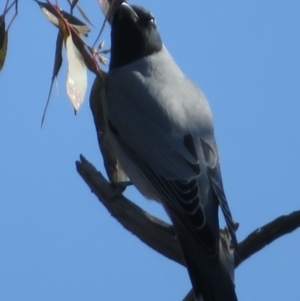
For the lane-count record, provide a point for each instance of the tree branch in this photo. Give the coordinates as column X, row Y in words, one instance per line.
column 154, row 232
column 263, row 236
column 160, row 235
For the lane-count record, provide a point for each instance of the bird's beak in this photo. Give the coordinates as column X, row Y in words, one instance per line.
column 126, row 11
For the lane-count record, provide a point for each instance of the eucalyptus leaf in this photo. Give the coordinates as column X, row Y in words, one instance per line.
column 77, row 75
column 3, row 42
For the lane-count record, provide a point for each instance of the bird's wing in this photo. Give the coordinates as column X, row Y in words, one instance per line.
column 164, row 151
column 180, row 196
column 164, row 126
column 215, row 177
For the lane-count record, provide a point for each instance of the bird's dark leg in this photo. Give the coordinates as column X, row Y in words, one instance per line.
column 119, row 187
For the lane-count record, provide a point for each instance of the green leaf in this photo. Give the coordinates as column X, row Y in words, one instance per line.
column 56, row 67
column 54, row 13
column 2, row 31
column 89, row 60
column 77, row 75
column 3, row 42
column 84, row 15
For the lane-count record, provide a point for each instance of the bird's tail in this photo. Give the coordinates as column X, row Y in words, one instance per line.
column 209, row 275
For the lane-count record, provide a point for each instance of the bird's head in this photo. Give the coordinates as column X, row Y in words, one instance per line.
column 134, row 35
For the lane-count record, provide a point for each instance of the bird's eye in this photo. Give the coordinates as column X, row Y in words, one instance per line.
column 148, row 22
column 152, row 22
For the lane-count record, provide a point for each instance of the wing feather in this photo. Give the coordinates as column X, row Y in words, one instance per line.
column 181, row 198
column 214, row 173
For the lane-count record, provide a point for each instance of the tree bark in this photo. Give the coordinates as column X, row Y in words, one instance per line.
column 160, row 235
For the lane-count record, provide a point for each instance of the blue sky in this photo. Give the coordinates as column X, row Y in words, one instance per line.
column 57, row 242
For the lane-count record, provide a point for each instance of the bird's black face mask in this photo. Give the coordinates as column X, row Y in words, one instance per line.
column 133, row 35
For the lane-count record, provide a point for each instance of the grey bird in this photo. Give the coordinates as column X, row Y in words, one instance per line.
column 113, row 169
column 160, row 127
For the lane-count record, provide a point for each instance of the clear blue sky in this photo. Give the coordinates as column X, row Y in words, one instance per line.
column 57, row 242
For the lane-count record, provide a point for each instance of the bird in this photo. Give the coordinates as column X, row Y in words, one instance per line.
column 161, row 130
column 113, row 169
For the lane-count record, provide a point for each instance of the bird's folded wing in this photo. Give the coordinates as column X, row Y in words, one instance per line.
column 214, row 174
column 216, row 181
column 181, row 198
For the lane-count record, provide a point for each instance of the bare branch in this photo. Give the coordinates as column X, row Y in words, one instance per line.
column 263, row 236
column 154, row 232
column 161, row 236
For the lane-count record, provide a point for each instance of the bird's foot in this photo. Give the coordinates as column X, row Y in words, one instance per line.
column 119, row 187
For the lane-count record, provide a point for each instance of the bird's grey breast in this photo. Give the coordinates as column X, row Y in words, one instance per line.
column 152, row 105
column 154, row 92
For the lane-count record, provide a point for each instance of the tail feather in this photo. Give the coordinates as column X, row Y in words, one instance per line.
column 210, row 279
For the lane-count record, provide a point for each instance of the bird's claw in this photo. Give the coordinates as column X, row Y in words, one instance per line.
column 119, row 187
